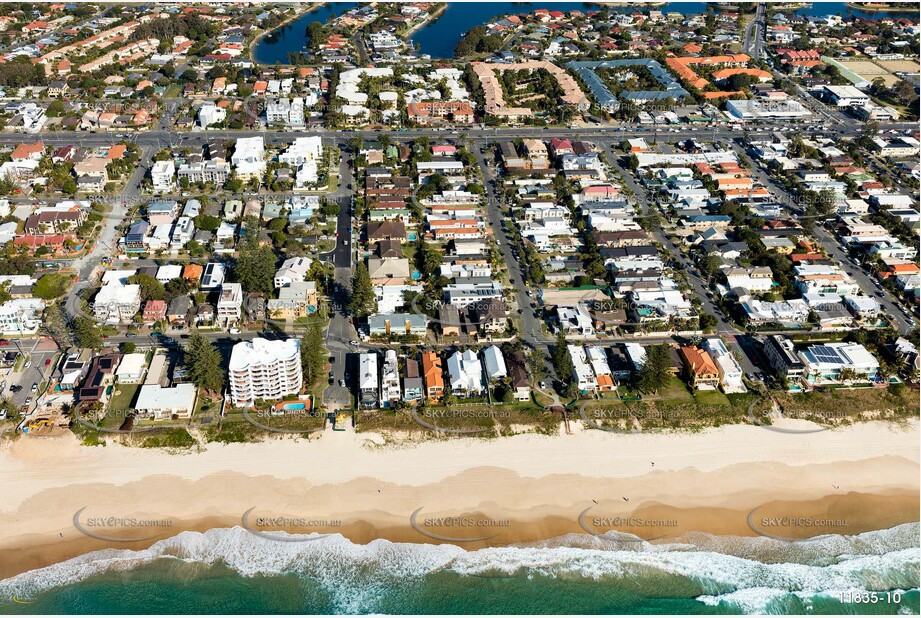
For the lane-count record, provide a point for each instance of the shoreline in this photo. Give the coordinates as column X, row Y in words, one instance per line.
column 676, row 484
column 878, row 8
column 550, row 529
column 431, row 19
column 251, row 48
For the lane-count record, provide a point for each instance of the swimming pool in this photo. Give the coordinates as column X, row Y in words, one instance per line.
column 294, row 406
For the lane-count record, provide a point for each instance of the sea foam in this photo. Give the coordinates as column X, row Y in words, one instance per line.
column 355, row 575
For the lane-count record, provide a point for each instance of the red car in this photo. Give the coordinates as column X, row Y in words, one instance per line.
column 4, row 342
column 47, row 362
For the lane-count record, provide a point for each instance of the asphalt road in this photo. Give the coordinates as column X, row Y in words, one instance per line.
column 837, row 252
column 530, row 325
column 340, row 331
column 36, row 373
column 699, row 286
column 753, row 37
column 159, row 138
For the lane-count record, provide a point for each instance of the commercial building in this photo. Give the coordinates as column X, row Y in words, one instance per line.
column 753, row 109
column 845, row 96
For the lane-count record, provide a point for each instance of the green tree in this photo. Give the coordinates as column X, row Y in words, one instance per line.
column 175, row 287
column 255, row 267
column 655, row 372
column 128, row 347
column 55, row 109
column 202, row 360
column 313, row 354
column 55, row 324
column 51, row 286
column 207, row 223
column 151, row 289
column 562, row 364
column 710, row 265
column 87, row 333
column 362, row 301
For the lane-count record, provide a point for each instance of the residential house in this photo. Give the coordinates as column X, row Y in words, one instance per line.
column 700, row 370
column 433, row 374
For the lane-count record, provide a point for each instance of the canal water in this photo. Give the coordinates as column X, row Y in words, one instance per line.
column 439, row 38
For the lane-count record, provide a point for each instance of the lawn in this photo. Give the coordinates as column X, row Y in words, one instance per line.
column 675, row 391
column 121, row 404
column 711, row 398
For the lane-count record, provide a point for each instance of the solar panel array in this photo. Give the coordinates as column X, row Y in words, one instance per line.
column 826, row 354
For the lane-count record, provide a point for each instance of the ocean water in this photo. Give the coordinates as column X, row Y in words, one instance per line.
column 232, row 571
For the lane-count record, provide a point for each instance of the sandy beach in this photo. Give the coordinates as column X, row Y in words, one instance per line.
column 734, row 480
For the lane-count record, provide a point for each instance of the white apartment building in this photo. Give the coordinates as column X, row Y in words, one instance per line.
column 292, row 270
column 209, row 114
column 205, row 171
column 727, row 366
column 183, row 232
column 162, row 176
column 390, row 379
column 288, row 113
column 303, row 149
column 116, row 303
column 229, row 303
column 368, row 380
column 264, row 369
column 21, row 316
column 463, row 294
column 822, row 279
column 581, row 369
column 249, row 157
